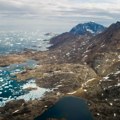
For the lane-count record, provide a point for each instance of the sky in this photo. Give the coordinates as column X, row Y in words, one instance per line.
column 56, row 15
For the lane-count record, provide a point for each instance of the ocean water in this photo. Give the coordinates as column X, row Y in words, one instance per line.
column 14, row 41
column 10, row 89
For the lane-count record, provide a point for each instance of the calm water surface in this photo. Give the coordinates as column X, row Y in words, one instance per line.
column 69, row 108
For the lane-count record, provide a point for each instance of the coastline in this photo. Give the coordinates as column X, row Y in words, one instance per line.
column 62, row 69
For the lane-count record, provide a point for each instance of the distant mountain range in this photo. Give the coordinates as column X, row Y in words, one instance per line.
column 108, row 40
column 87, row 28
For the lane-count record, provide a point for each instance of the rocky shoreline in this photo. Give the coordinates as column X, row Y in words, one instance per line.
column 66, row 79
column 84, row 67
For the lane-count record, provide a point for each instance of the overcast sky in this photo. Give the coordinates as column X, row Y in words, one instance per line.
column 56, row 15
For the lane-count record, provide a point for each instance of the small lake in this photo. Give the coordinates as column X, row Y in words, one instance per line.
column 68, row 108
column 10, row 89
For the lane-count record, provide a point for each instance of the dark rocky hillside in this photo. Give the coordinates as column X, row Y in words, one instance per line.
column 58, row 40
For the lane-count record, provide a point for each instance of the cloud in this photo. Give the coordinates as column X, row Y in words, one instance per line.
column 53, row 6
column 59, row 12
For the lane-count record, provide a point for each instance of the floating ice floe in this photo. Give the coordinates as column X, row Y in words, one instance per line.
column 12, row 90
column 18, row 41
column 35, row 93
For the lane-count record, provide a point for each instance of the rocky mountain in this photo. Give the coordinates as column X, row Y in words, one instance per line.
column 104, row 49
column 87, row 28
column 102, row 54
column 83, row 48
column 58, row 40
column 82, row 66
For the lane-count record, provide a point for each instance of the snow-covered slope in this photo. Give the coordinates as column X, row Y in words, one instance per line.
column 87, row 28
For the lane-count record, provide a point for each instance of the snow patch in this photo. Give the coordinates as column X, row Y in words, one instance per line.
column 90, row 30
column 30, row 84
column 118, row 72
column 119, row 56
column 72, row 93
column 115, row 115
column 34, row 94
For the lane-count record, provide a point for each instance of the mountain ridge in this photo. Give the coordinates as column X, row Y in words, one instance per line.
column 78, row 31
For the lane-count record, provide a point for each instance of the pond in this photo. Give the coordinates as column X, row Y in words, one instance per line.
column 68, row 108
